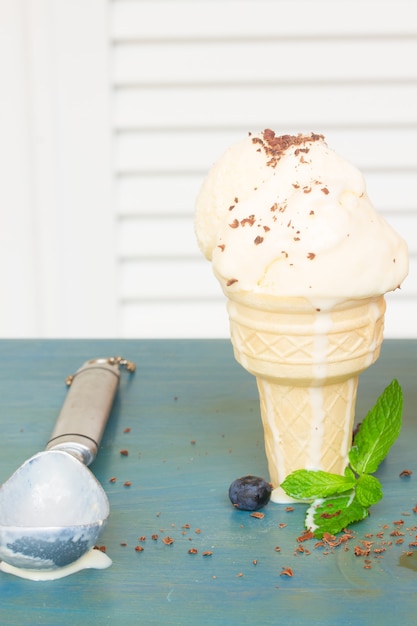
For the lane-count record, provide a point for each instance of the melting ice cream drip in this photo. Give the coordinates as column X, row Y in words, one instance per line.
column 94, row 559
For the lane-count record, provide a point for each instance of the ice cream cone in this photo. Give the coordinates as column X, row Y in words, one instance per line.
column 304, row 260
column 307, row 364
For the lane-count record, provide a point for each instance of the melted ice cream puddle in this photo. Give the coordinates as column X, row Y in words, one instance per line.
column 94, row 559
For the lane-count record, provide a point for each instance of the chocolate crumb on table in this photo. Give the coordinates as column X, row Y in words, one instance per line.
column 101, row 548
column 287, row 571
column 168, row 541
column 405, row 472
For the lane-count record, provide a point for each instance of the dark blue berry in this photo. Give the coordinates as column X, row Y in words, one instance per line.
column 249, row 493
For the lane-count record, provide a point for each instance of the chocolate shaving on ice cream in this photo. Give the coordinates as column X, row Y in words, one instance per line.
column 275, row 146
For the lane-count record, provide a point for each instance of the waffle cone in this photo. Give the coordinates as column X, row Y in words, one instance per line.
column 307, row 364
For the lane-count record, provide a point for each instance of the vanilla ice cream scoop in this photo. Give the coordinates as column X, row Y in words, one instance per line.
column 304, row 260
column 287, row 217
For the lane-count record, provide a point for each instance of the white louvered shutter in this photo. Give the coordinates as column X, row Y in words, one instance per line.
column 112, row 111
column 191, row 77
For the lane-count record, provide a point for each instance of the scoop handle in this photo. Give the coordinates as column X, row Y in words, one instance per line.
column 84, row 414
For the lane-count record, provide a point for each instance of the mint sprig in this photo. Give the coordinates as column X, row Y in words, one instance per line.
column 308, row 484
column 341, row 500
column 378, row 431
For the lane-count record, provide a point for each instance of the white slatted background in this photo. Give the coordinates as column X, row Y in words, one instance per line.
column 189, row 77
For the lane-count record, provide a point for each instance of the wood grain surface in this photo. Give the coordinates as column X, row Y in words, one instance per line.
column 189, row 421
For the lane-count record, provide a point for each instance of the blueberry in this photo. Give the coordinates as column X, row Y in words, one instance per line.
column 249, row 493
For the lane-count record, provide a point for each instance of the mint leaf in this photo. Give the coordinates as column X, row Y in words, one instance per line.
column 349, row 473
column 331, row 515
column 368, row 490
column 308, row 484
column 378, row 431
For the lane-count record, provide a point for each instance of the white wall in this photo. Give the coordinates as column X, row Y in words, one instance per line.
column 57, row 262
column 118, row 108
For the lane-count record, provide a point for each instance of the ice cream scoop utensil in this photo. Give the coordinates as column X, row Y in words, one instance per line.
column 53, row 509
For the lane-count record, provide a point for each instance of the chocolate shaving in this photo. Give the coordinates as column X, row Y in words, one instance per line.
column 248, row 220
column 307, row 534
column 287, row 571
column 330, row 515
column 275, row 146
column 406, row 472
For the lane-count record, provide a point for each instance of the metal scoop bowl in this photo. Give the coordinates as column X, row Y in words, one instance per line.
column 53, row 509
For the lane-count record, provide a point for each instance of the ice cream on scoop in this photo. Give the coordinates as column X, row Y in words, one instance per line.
column 304, row 260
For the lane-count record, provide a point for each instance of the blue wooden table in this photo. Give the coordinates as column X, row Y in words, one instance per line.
column 189, row 420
